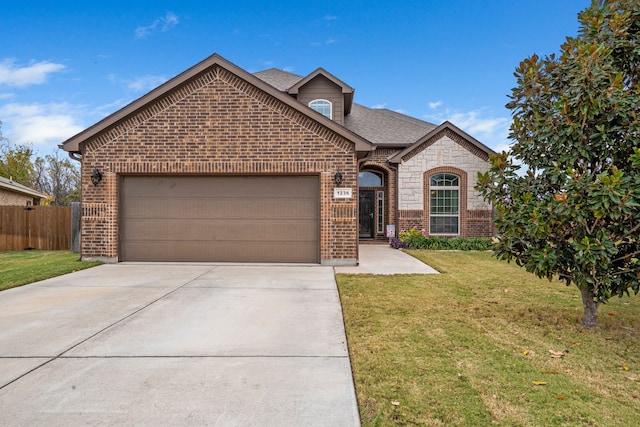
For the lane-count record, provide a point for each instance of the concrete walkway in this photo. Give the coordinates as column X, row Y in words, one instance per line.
column 383, row 259
column 161, row 344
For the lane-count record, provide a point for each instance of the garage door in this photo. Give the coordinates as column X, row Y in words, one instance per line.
column 220, row 218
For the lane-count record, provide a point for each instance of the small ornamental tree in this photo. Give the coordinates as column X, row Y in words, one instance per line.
column 567, row 194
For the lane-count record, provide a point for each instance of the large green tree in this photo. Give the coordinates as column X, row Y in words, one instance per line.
column 567, row 194
column 58, row 177
column 52, row 174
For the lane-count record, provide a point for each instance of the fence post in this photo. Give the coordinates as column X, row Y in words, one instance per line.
column 76, row 214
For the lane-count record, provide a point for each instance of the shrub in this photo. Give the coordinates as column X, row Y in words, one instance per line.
column 416, row 239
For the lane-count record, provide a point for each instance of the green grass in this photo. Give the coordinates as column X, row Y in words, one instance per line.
column 466, row 346
column 23, row 267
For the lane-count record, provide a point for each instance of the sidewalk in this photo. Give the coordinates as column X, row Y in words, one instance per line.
column 383, row 259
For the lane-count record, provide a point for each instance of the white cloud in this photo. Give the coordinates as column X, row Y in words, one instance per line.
column 40, row 124
column 145, row 83
column 491, row 131
column 162, row 25
column 379, row 106
column 327, row 42
column 111, row 107
column 32, row 74
column 138, row 84
column 434, row 105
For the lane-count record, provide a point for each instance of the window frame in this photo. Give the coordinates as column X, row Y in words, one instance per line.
column 378, row 175
column 329, row 105
column 380, row 211
column 444, row 176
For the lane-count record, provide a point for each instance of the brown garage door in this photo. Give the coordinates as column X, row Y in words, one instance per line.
column 220, row 218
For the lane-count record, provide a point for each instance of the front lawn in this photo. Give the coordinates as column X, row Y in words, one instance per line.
column 472, row 347
column 23, row 267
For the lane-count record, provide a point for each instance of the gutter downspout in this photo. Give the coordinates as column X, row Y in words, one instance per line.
column 76, row 155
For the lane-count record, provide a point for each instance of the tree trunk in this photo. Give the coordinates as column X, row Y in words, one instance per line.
column 590, row 309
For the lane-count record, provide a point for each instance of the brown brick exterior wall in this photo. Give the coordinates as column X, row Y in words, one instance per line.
column 218, row 123
column 473, row 223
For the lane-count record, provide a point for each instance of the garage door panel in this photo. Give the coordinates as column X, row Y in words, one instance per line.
column 216, row 186
column 228, row 230
column 233, row 251
column 220, row 218
column 222, row 208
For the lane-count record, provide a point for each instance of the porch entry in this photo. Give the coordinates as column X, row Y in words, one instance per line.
column 371, row 202
column 367, row 230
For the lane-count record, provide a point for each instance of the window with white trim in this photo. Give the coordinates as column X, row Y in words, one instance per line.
column 322, row 106
column 444, row 204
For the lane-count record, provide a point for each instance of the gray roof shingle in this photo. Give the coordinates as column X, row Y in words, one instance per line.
column 281, row 80
column 385, row 127
column 379, row 126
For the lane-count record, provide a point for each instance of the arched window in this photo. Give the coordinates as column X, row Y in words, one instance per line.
column 444, row 204
column 322, row 106
column 369, row 179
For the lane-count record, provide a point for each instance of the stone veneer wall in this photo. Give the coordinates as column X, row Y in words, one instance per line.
column 446, row 152
column 218, row 123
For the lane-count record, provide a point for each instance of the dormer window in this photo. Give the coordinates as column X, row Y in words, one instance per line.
column 322, row 106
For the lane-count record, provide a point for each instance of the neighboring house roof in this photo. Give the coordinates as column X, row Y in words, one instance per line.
column 14, row 187
column 454, row 132
column 72, row 144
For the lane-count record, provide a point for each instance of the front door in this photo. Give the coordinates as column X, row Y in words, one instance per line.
column 366, row 214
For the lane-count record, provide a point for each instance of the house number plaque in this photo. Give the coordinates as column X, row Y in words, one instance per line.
column 342, row 193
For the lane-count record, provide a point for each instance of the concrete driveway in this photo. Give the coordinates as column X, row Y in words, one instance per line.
column 161, row 344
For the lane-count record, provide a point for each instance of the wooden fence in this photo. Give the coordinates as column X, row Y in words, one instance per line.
column 37, row 227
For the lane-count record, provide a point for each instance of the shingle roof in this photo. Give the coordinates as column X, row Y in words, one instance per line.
column 380, row 126
column 281, row 80
column 385, row 127
column 19, row 188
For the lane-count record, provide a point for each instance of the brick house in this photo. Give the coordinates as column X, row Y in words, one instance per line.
column 219, row 164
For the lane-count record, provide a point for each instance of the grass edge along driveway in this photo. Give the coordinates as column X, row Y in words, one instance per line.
column 19, row 268
column 486, row 343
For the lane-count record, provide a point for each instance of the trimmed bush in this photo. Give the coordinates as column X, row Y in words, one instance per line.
column 415, row 239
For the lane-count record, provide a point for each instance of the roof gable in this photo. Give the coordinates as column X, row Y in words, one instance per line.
column 347, row 91
column 72, row 145
column 293, row 90
column 445, row 129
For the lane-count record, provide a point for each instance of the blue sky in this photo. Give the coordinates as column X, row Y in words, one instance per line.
column 66, row 65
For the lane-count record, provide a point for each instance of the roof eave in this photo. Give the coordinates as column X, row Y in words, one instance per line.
column 25, row 191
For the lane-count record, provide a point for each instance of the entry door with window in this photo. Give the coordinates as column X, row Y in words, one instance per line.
column 367, row 207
